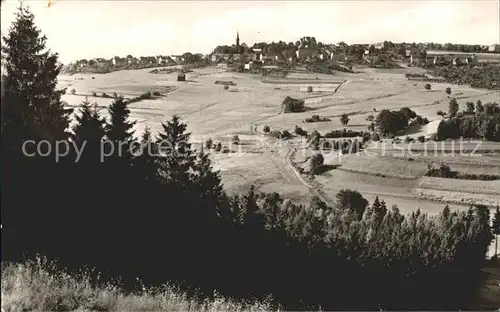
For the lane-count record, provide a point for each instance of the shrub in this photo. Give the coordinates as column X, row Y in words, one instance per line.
column 336, row 145
column 317, row 118
column 315, row 145
column 94, row 94
column 421, row 139
column 351, row 147
column 115, row 95
column 276, row 134
column 344, row 119
column 104, row 95
column 375, row 137
column 236, row 140
column 291, row 105
column 226, row 87
column 444, row 171
column 448, row 91
column 267, row 129
column 316, row 162
column 334, row 134
column 470, row 107
column 418, row 121
column 433, row 137
column 156, row 93
column 73, row 91
column 286, row 134
column 218, row 147
column 409, row 139
column 453, row 107
column 309, row 89
column 427, row 86
column 326, row 145
column 366, row 137
column 299, row 131
column 209, row 143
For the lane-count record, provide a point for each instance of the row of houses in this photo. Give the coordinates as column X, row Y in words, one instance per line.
column 131, row 60
column 289, row 56
column 443, row 58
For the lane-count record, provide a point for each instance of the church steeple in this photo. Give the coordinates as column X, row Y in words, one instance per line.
column 237, row 38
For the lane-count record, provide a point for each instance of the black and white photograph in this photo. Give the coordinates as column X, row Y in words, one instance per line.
column 238, row 155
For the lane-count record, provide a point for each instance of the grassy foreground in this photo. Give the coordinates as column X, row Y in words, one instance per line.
column 37, row 285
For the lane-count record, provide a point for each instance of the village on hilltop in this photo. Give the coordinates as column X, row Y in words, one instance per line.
column 308, row 52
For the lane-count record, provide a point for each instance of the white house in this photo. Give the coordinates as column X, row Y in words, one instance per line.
column 249, row 66
column 118, row 61
column 177, row 58
column 379, row 45
column 161, row 60
column 457, row 61
column 494, row 48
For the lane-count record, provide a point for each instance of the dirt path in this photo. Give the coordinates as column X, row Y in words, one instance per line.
column 314, row 187
column 290, row 152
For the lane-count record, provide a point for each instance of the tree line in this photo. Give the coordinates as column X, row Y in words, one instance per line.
column 166, row 217
column 476, row 121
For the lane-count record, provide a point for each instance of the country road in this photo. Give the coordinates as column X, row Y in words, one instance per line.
column 289, row 162
column 313, row 188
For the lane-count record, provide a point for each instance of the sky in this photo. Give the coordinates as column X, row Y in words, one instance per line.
column 96, row 28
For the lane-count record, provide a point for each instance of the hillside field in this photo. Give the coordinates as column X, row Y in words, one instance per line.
column 251, row 103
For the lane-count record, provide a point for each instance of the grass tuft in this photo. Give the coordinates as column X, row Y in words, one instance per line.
column 37, row 285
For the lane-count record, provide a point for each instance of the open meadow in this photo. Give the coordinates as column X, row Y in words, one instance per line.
column 250, row 103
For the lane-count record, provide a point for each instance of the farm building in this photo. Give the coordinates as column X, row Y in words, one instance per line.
column 257, row 54
column 494, row 48
column 132, row 60
column 303, row 53
column 378, row 45
column 222, row 65
column 249, row 66
column 181, row 77
column 177, row 58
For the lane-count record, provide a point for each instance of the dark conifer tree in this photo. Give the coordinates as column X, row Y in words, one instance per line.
column 175, row 155
column 249, row 211
column 119, row 128
column 145, row 157
column 379, row 211
column 31, row 107
column 89, row 131
column 31, row 110
column 118, row 153
column 209, row 184
column 479, row 107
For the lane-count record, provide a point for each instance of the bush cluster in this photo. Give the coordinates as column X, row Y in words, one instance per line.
column 484, row 124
